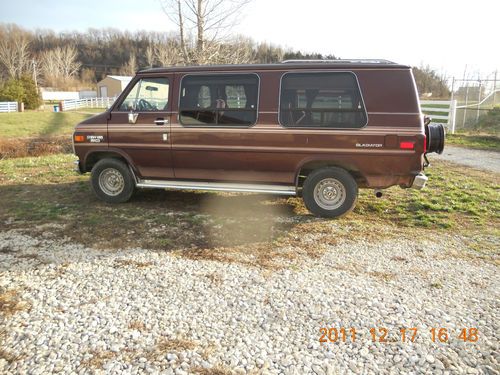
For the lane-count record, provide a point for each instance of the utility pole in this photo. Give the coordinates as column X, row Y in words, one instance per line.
column 33, row 63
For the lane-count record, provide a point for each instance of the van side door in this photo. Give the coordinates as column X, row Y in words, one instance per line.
column 139, row 126
column 210, row 138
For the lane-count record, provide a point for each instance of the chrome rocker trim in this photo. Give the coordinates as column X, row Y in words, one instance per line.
column 218, row 186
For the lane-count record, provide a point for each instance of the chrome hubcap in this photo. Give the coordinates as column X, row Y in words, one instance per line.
column 329, row 194
column 111, row 181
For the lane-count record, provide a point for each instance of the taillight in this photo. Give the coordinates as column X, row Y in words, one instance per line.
column 407, row 145
column 79, row 138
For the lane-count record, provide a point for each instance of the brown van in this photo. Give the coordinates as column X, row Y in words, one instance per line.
column 316, row 129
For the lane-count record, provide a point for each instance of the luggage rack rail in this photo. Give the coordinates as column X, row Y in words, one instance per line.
column 341, row 61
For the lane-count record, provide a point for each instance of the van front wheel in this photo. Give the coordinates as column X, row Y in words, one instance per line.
column 112, row 181
column 330, row 192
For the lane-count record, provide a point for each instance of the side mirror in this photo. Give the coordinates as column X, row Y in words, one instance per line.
column 132, row 117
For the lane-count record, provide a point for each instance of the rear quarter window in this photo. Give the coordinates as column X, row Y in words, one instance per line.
column 321, row 100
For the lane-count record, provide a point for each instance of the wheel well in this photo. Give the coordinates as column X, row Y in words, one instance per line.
column 307, row 168
column 94, row 157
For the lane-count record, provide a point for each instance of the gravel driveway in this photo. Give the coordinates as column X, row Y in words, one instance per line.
column 486, row 160
column 138, row 311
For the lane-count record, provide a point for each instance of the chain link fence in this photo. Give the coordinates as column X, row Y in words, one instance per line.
column 475, row 97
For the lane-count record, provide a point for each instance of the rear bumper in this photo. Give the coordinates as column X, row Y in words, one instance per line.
column 419, row 181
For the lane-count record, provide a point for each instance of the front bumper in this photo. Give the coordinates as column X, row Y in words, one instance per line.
column 419, row 181
column 78, row 167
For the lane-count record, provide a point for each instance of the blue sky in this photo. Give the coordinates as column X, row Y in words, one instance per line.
column 443, row 33
column 82, row 14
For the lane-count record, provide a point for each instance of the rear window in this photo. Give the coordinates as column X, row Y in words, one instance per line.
column 219, row 100
column 323, row 100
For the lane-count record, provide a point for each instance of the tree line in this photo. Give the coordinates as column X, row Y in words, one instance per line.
column 76, row 60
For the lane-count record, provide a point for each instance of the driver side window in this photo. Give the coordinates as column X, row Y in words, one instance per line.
column 147, row 95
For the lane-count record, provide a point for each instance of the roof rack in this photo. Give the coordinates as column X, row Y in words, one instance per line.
column 352, row 61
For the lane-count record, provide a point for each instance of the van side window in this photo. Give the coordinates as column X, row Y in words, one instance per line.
column 323, row 100
column 147, row 95
column 219, row 100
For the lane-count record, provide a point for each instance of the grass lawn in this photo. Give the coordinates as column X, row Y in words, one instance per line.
column 37, row 194
column 476, row 141
column 41, row 124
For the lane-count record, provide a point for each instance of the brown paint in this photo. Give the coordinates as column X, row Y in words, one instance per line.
column 267, row 152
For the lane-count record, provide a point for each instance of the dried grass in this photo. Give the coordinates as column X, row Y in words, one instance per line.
column 9, row 356
column 137, row 325
column 398, row 258
column 132, row 263
column 215, row 278
column 98, row 359
column 10, row 303
column 27, row 256
column 386, row 276
column 174, row 345
column 22, row 147
column 216, row 370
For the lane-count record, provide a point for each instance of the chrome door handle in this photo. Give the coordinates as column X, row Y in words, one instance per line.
column 161, row 121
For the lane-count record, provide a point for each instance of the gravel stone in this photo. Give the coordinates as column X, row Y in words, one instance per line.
column 88, row 315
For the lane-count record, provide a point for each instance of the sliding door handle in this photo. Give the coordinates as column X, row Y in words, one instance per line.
column 161, row 121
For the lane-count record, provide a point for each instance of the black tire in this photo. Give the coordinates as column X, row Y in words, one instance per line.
column 112, row 181
column 330, row 192
column 435, row 137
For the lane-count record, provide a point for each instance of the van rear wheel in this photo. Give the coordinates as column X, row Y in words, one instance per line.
column 112, row 181
column 330, row 192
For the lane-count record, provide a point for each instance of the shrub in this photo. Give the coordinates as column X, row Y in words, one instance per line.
column 12, row 91
column 21, row 90
column 32, row 99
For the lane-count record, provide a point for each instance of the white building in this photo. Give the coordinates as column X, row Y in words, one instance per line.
column 112, row 86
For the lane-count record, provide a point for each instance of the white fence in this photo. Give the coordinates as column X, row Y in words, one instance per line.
column 441, row 112
column 68, row 95
column 60, row 95
column 68, row 105
column 8, row 106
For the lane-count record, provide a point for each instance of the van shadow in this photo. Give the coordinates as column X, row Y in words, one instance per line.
column 53, row 127
column 153, row 219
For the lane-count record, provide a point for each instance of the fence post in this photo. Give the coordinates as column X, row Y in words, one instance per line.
column 453, row 113
column 478, row 103
column 494, row 88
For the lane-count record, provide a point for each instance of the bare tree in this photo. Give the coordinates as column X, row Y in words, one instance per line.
column 60, row 64
column 237, row 50
column 150, row 55
column 14, row 54
column 131, row 66
column 209, row 20
column 69, row 62
column 168, row 53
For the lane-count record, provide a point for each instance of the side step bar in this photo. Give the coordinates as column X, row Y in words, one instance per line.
column 218, row 186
